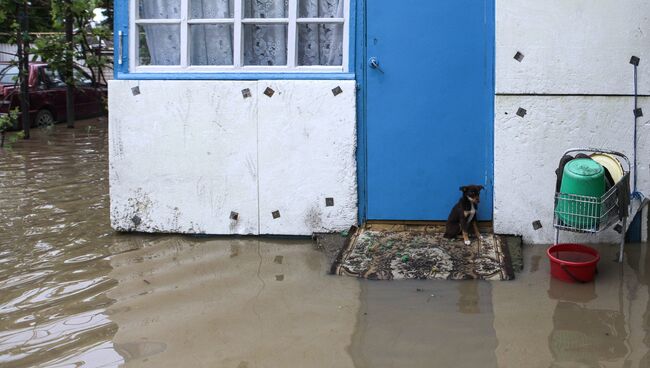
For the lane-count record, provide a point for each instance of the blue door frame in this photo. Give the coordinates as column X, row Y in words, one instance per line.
column 361, row 72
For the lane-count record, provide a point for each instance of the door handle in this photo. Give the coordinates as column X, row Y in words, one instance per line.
column 374, row 64
column 120, row 36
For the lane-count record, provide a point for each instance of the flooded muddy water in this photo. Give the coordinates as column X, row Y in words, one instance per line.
column 75, row 293
column 425, row 324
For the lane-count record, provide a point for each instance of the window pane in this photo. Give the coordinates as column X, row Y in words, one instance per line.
column 266, row 8
column 53, row 78
column 320, row 44
column 214, row 9
column 159, row 9
column 81, row 77
column 265, row 44
column 159, row 44
column 8, row 74
column 320, row 8
column 211, row 44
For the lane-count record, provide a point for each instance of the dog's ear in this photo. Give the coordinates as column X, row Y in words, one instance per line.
column 463, row 189
column 480, row 187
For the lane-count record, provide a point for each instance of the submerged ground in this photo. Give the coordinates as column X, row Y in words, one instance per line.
column 73, row 292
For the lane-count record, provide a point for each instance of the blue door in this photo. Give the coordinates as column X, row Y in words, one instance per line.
column 429, row 106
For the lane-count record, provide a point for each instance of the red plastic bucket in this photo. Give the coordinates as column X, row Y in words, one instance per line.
column 573, row 262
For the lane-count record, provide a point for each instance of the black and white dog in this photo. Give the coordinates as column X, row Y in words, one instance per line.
column 463, row 214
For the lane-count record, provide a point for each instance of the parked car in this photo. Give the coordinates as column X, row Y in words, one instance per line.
column 47, row 94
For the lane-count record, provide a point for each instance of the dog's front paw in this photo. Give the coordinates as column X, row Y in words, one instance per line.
column 467, row 242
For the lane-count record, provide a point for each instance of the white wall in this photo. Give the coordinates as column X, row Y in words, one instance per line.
column 576, row 62
column 185, row 154
column 306, row 154
column 570, row 47
column 7, row 52
column 527, row 152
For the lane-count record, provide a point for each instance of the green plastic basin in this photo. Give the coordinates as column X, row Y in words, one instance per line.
column 582, row 177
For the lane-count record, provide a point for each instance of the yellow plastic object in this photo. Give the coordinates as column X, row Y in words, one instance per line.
column 610, row 163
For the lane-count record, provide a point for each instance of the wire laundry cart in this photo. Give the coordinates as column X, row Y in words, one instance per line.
column 591, row 215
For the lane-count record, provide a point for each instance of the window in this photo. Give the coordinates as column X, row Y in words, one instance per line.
column 50, row 78
column 8, row 74
column 239, row 35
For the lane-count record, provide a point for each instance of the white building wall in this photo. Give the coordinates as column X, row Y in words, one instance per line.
column 7, row 52
column 574, row 82
column 306, row 155
column 186, row 155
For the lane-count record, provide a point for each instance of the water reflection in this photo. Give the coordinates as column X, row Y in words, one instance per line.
column 54, row 250
column 468, row 301
column 601, row 321
column 638, row 258
column 585, row 337
column 578, row 293
column 73, row 292
column 425, row 323
column 221, row 300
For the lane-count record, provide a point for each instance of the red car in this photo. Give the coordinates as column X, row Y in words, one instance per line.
column 47, row 94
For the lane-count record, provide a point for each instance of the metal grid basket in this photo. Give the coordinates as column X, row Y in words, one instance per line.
column 591, row 215
column 586, row 214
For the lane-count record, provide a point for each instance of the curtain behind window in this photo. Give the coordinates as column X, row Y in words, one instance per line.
column 162, row 40
column 320, row 44
column 264, row 44
column 211, row 44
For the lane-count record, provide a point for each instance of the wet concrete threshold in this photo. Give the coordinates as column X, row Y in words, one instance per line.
column 74, row 293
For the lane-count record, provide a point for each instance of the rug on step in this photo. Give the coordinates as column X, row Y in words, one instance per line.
column 390, row 255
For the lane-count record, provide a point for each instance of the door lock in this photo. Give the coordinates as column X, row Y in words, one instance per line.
column 374, row 64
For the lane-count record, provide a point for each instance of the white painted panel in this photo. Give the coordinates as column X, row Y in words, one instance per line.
column 307, row 141
column 183, row 155
column 527, row 151
column 572, row 47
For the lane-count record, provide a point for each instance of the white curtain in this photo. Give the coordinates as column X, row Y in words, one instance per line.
column 211, row 44
column 320, row 44
column 163, row 40
column 264, row 44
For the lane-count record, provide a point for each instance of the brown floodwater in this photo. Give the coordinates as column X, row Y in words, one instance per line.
column 74, row 293
column 55, row 245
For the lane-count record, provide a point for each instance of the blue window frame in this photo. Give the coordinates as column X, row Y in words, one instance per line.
column 126, row 23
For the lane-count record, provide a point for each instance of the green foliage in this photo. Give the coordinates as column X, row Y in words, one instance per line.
column 9, row 23
column 55, row 50
column 52, row 48
column 7, row 121
column 14, row 138
column 39, row 18
column 49, row 16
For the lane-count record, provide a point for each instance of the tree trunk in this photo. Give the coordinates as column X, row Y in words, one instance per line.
column 22, row 44
column 69, row 78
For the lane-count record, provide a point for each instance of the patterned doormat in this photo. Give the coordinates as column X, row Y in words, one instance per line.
column 391, row 255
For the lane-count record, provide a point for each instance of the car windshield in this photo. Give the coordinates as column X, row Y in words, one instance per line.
column 8, row 74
